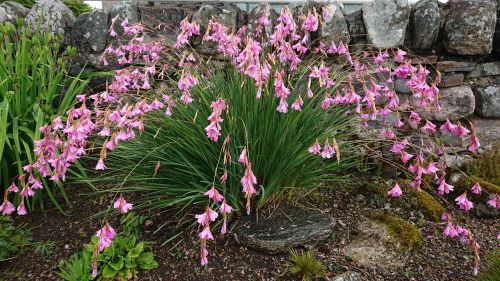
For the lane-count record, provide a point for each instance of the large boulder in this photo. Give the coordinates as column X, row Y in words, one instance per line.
column 426, row 20
column 383, row 241
column 90, row 32
column 386, row 22
column 356, row 28
column 456, row 103
column 286, row 228
column 226, row 14
column 162, row 21
column 488, row 101
column 470, row 27
column 52, row 16
column 334, row 26
column 259, row 11
column 9, row 11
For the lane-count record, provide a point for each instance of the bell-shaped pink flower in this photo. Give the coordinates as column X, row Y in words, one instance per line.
column 122, row 205
column 315, row 148
column 476, row 188
column 243, row 157
column 463, row 202
column 395, row 191
column 214, row 194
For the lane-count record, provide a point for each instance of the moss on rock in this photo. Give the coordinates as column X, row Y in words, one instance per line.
column 429, row 205
column 408, row 235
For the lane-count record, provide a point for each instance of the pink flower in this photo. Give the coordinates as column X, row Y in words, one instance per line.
column 223, row 178
column 157, row 168
column 315, row 148
column 397, row 147
column 206, row 217
column 243, row 157
column 206, row 234
column 100, row 165
column 21, row 209
column 405, row 156
column 106, row 235
column 122, row 205
column 223, row 229
column 297, row 104
column 460, row 131
column 310, row 23
column 214, row 194
column 463, row 202
column 495, row 202
column 225, row 208
column 447, row 127
column 444, row 188
column 395, row 191
column 474, row 144
column 400, row 56
column 204, row 256
column 429, row 128
column 328, row 150
column 7, row 208
column 450, row 230
column 476, row 188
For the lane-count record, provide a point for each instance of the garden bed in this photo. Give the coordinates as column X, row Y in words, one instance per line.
column 438, row 259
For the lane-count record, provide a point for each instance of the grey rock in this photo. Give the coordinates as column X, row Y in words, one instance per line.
column 348, row 276
column 286, row 228
column 488, row 132
column 470, row 27
column 386, row 22
column 455, row 66
column 334, row 26
column 52, row 16
column 401, row 87
column 485, row 69
column 162, row 21
column 9, row 11
column 226, row 14
column 488, row 102
column 90, row 32
column 456, row 103
column 375, row 247
column 426, row 21
column 451, row 80
column 356, row 27
column 125, row 10
column 262, row 10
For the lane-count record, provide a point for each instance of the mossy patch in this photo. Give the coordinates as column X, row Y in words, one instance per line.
column 407, row 234
column 429, row 205
column 485, row 170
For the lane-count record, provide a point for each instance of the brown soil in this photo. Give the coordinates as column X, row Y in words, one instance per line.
column 439, row 258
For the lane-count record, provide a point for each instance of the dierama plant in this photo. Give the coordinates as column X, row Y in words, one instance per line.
column 269, row 61
column 35, row 88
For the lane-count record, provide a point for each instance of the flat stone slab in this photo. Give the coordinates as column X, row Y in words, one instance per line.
column 485, row 69
column 452, row 66
column 451, row 80
column 286, row 228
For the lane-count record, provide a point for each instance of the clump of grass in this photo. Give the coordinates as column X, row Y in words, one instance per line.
column 306, row 264
column 491, row 269
column 408, row 235
column 13, row 239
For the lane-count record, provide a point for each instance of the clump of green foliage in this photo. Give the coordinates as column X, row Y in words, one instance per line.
column 408, row 235
column 131, row 223
column 306, row 264
column 35, row 87
column 277, row 145
column 120, row 261
column 76, row 6
column 491, row 268
column 13, row 239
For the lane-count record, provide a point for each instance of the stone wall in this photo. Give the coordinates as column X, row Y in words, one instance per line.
column 461, row 39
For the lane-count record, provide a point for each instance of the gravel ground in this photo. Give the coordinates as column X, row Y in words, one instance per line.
column 439, row 258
